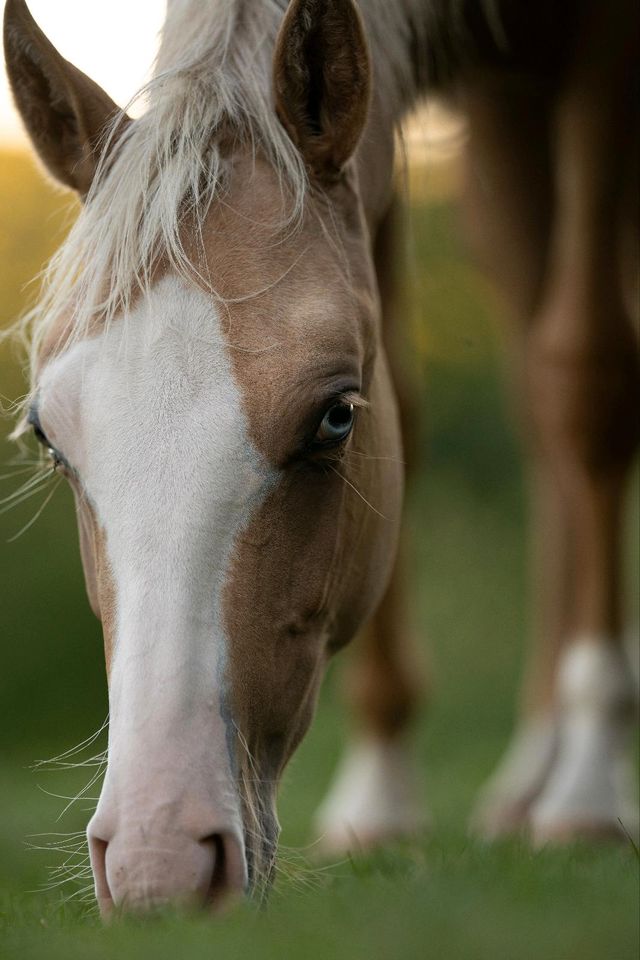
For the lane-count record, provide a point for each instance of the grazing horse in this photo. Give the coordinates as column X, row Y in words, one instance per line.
column 211, row 372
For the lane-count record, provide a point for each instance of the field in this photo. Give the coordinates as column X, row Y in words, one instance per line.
column 448, row 898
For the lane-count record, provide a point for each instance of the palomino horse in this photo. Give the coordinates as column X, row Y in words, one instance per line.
column 209, row 373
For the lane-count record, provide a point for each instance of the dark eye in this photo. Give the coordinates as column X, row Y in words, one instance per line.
column 44, row 441
column 40, row 437
column 337, row 423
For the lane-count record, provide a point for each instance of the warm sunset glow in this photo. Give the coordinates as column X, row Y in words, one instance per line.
column 113, row 42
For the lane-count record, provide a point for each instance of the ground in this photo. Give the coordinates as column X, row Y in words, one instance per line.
column 447, row 897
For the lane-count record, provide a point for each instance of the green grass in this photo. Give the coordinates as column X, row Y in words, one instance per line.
column 466, row 902
column 449, row 897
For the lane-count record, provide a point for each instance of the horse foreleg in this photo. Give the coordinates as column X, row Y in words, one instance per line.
column 376, row 796
column 508, row 205
column 568, row 772
column 583, row 372
column 584, row 390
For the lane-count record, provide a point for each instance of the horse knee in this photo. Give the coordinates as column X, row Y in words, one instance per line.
column 385, row 692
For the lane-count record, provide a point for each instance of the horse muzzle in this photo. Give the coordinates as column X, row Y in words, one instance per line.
column 140, row 870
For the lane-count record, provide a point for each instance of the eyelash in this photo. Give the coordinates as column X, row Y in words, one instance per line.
column 43, row 440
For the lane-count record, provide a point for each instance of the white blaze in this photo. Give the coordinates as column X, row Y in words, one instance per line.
column 150, row 415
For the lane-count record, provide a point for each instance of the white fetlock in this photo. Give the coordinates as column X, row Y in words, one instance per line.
column 591, row 791
column 505, row 800
column 374, row 799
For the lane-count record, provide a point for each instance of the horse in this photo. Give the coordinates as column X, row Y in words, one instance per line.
column 213, row 373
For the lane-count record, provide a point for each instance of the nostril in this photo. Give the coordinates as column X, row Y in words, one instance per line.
column 229, row 877
column 165, row 868
column 218, row 881
column 98, row 859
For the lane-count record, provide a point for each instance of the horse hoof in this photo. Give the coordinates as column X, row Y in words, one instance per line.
column 562, row 832
column 373, row 801
column 499, row 819
column 505, row 801
column 357, row 842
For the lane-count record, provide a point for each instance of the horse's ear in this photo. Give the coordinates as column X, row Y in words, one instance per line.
column 65, row 113
column 322, row 81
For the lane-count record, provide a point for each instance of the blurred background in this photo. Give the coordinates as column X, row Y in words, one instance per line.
column 466, row 509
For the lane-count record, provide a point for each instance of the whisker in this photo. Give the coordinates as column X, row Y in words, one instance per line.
column 62, row 796
column 23, row 461
column 95, row 761
column 82, row 794
column 24, row 498
column 355, row 489
column 31, row 522
column 26, row 486
column 70, row 850
column 16, row 473
column 74, row 751
column 365, row 456
column 57, row 833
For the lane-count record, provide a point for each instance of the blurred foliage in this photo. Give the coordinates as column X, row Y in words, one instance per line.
column 466, row 516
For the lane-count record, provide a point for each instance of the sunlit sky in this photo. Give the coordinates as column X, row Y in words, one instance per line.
column 113, row 41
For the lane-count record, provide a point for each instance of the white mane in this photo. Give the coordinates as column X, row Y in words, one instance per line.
column 213, row 71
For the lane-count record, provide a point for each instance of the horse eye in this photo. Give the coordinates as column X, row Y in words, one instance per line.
column 336, row 424
column 44, row 441
column 40, row 437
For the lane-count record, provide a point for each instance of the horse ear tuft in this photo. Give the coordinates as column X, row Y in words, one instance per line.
column 322, row 81
column 65, row 113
